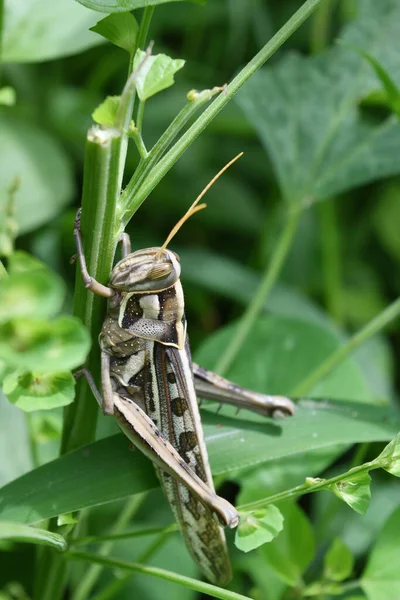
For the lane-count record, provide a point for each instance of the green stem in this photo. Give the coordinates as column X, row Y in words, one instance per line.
column 139, row 116
column 127, row 208
column 86, row 584
column 111, row 590
column 95, row 539
column 307, row 488
column 388, row 315
column 210, row 113
column 258, row 302
column 330, row 246
column 188, row 582
column 320, row 27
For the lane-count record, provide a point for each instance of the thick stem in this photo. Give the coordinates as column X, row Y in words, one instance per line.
column 157, row 174
column 257, row 304
column 388, row 315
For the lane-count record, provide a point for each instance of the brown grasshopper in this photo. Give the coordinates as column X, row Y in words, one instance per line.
column 150, row 385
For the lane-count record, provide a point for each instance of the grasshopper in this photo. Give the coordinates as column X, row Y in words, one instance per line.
column 150, row 385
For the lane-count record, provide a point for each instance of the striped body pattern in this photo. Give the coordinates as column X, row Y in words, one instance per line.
column 145, row 337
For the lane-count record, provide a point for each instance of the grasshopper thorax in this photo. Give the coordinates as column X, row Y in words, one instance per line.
column 147, row 270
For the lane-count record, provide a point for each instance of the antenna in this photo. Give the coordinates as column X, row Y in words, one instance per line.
column 195, row 206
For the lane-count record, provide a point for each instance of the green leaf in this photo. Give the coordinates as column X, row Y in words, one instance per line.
column 34, row 294
column 387, row 216
column 41, row 192
column 292, row 551
column 33, row 345
column 120, row 29
column 257, row 528
column 39, row 391
column 7, row 96
column 106, row 112
column 156, row 74
column 381, row 578
column 33, row 535
column 322, row 588
column 355, row 492
column 52, row 30
column 13, row 426
column 338, row 561
column 106, row 470
column 111, row 6
column 319, row 142
column 390, row 87
column 391, row 457
column 279, row 352
column 22, row 262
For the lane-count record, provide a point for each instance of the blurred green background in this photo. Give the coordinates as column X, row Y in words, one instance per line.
column 319, row 131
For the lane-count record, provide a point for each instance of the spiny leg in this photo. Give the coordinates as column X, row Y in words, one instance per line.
column 144, row 434
column 212, row 386
column 89, row 282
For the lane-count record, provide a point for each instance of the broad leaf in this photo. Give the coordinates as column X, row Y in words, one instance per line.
column 292, row 551
column 110, row 6
column 36, row 345
column 106, row 470
column 338, row 561
column 391, row 457
column 39, row 391
column 355, row 492
column 156, row 73
column 106, row 112
column 381, row 578
column 14, row 427
column 306, row 112
column 258, row 527
column 52, row 30
column 119, row 29
column 35, row 163
column 35, row 294
column 22, row 533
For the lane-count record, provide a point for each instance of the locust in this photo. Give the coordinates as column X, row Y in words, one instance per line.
column 151, row 386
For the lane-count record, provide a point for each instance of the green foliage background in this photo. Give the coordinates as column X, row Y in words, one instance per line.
column 319, row 128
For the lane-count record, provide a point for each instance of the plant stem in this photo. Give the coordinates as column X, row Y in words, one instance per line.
column 307, row 488
column 257, row 304
column 320, row 27
column 127, row 208
column 139, row 116
column 388, row 315
column 210, row 113
column 188, row 582
column 86, row 584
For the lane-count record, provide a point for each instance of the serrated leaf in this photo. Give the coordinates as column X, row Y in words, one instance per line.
column 7, row 96
column 156, row 73
column 258, row 527
column 106, row 112
column 391, row 455
column 23, row 533
column 338, row 561
column 381, row 577
column 112, row 6
column 292, row 551
column 355, row 492
column 31, row 294
column 306, row 112
column 32, row 344
column 121, row 29
column 39, row 391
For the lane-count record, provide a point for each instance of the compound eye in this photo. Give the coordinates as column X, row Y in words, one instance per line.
column 159, row 271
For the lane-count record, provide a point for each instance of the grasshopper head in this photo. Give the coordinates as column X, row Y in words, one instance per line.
column 148, row 270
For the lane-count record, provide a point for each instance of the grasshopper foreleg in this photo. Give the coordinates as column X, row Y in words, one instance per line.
column 212, row 386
